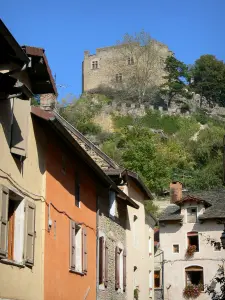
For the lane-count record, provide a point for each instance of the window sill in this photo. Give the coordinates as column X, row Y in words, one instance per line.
column 77, row 272
column 12, row 263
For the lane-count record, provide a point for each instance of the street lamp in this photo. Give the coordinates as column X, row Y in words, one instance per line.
column 223, row 239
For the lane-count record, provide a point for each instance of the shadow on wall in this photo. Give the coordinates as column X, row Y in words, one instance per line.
column 6, row 118
column 169, row 229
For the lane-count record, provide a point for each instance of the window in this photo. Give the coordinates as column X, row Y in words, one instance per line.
column 194, row 275
column 150, row 283
column 217, row 246
column 130, row 61
column 176, row 248
column 157, row 282
column 17, row 228
column 77, row 190
column 112, row 203
column 192, row 215
column 149, row 245
column 120, row 269
column 193, row 240
column 78, row 248
column 103, row 262
column 119, row 77
column 94, row 65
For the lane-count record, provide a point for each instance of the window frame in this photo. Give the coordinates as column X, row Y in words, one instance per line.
column 119, row 78
column 112, row 204
column 191, row 207
column 201, row 269
column 158, row 287
column 196, row 234
column 95, row 65
column 176, row 244
column 214, row 247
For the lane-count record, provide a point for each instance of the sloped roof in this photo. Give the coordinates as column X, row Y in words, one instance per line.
column 59, row 127
column 110, row 167
column 215, row 208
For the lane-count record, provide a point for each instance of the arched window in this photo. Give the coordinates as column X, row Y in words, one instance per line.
column 194, row 275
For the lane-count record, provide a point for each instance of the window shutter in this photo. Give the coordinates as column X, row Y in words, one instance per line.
column 4, row 204
column 101, row 259
column 117, row 268
column 106, row 263
column 72, row 246
column 21, row 110
column 84, row 248
column 29, row 233
column 124, row 270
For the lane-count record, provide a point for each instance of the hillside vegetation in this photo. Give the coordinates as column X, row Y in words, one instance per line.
column 160, row 148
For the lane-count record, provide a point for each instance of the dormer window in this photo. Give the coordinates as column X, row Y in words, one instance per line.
column 192, row 215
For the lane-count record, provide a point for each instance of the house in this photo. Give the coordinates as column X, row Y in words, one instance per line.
column 112, row 219
column 74, row 187
column 190, row 230
column 21, row 172
column 139, row 235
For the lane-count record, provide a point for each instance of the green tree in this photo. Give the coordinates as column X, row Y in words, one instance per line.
column 177, row 79
column 208, row 79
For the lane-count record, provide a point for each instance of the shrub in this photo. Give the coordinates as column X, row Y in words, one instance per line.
column 190, row 250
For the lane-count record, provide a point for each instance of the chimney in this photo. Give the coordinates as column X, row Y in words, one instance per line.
column 175, row 191
column 47, row 101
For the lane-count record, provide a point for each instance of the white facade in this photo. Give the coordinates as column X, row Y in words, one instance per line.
column 140, row 247
column 174, row 243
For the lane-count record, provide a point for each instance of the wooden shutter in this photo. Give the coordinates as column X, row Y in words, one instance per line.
column 29, row 233
column 4, row 204
column 117, row 268
column 101, row 259
column 72, row 246
column 21, row 110
column 84, row 249
column 106, row 263
column 124, row 270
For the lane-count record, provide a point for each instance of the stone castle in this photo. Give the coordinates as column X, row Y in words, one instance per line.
column 111, row 66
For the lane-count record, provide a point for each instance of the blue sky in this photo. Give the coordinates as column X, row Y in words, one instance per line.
column 66, row 28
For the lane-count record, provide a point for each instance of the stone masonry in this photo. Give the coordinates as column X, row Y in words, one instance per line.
column 114, row 231
column 100, row 69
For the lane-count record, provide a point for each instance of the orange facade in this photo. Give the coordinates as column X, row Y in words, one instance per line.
column 61, row 167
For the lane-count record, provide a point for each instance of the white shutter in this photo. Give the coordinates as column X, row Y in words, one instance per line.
column 29, row 233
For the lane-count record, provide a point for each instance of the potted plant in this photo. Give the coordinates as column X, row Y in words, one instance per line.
column 136, row 293
column 192, row 291
column 191, row 250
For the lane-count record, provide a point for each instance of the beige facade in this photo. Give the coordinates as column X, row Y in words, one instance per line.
column 140, row 246
column 109, row 63
column 24, row 180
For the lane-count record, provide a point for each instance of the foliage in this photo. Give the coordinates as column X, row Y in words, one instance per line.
column 208, row 77
column 219, row 279
column 176, row 79
column 151, row 207
column 80, row 113
column 35, row 101
column 136, row 293
column 192, row 291
column 139, row 74
column 190, row 251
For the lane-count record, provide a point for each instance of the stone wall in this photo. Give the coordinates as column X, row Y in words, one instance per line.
column 113, row 60
column 114, row 232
